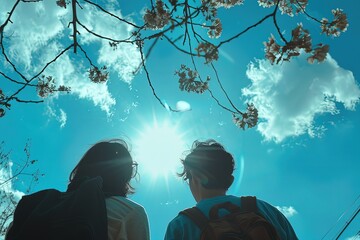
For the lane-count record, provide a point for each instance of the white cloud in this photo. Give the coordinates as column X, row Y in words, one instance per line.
column 39, row 31
column 125, row 59
column 33, row 26
column 74, row 75
column 357, row 236
column 287, row 211
column 290, row 95
column 60, row 116
column 182, row 106
column 5, row 174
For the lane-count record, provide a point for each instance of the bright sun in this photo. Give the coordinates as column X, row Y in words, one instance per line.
column 158, row 149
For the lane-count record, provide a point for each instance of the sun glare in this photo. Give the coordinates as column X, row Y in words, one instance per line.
column 158, row 149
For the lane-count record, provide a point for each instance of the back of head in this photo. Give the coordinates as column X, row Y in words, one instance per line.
column 110, row 160
column 210, row 158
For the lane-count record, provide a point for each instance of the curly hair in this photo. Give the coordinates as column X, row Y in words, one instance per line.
column 211, row 159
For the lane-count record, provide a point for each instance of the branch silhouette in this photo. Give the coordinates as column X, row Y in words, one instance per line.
column 182, row 25
column 17, row 170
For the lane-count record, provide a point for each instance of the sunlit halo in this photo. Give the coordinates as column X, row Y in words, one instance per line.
column 158, row 149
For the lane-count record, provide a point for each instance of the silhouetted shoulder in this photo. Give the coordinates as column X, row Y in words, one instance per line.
column 126, row 219
column 279, row 221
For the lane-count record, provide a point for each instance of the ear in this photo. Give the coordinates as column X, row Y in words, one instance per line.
column 232, row 180
column 199, row 177
column 204, row 180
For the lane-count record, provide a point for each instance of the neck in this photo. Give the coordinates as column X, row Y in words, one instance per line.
column 210, row 193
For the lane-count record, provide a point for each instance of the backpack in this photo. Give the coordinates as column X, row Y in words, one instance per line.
column 54, row 215
column 243, row 223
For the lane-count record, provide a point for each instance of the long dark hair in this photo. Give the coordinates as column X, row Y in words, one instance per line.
column 110, row 160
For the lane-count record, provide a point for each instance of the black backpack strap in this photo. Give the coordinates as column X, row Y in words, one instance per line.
column 248, row 204
column 197, row 216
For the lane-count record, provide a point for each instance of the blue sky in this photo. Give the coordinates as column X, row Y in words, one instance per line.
column 302, row 157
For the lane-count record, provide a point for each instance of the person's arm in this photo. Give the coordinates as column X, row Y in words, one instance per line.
column 284, row 222
column 182, row 228
column 280, row 222
column 173, row 232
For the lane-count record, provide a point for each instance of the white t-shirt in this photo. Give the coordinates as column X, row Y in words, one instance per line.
column 127, row 220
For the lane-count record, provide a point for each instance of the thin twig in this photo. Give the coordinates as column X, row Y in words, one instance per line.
column 8, row 60
column 149, row 80
column 86, row 56
column 147, row 54
column 9, row 17
column 38, row 74
column 52, row 61
column 103, row 37
column 222, row 88
column 113, row 15
column 245, row 30
column 308, row 15
column 208, row 89
column 27, row 101
column 15, row 81
column 177, row 47
column 276, row 24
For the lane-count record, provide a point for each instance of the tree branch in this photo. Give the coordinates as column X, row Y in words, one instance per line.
column 8, row 60
column 276, row 24
column 223, row 90
column 149, row 80
column 245, row 30
column 177, row 47
column 9, row 17
column 113, row 15
column 15, row 81
column 103, row 37
column 208, row 89
column 74, row 22
column 37, row 75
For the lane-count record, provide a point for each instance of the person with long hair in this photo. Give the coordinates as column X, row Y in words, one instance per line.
column 111, row 160
column 94, row 206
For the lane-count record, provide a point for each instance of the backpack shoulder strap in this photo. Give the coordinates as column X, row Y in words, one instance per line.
column 197, row 216
column 248, row 204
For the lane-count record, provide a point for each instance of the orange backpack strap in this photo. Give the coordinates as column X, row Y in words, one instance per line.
column 197, row 216
column 201, row 220
column 248, row 204
column 244, row 221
